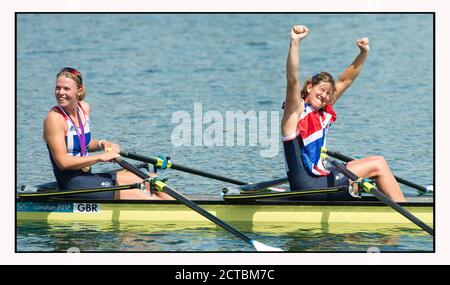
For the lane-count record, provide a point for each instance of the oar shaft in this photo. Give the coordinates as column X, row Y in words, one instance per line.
column 207, row 174
column 345, row 158
column 339, row 156
column 131, row 168
column 411, row 184
column 153, row 161
column 180, row 198
column 383, row 198
column 206, row 214
column 185, row 201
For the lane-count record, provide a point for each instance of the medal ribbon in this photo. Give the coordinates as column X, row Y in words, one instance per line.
column 81, row 135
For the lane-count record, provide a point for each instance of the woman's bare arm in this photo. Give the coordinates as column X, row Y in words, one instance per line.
column 353, row 70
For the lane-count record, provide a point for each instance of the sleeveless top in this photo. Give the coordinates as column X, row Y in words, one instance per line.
column 72, row 140
column 72, row 143
column 312, row 129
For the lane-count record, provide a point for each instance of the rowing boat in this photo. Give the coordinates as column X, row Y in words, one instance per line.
column 365, row 211
column 243, row 203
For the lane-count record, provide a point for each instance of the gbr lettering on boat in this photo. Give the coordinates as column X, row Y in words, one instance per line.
column 86, row 208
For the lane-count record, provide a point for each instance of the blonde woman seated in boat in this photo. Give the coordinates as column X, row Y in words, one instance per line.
column 67, row 133
column 308, row 114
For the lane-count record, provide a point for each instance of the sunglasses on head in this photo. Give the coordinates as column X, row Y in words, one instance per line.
column 74, row 72
column 316, row 77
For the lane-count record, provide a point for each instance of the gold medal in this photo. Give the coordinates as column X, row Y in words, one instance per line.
column 86, row 168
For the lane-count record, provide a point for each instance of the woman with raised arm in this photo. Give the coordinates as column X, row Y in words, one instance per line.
column 308, row 114
column 67, row 133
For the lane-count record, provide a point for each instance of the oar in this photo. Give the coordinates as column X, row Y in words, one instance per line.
column 158, row 162
column 137, row 165
column 53, row 193
column 342, row 157
column 370, row 188
column 161, row 186
column 247, row 186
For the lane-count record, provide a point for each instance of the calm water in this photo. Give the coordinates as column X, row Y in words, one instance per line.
column 141, row 69
column 37, row 236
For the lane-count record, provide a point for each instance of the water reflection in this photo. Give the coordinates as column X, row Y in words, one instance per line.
column 206, row 237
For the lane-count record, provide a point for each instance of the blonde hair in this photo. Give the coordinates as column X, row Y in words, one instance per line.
column 75, row 75
column 316, row 79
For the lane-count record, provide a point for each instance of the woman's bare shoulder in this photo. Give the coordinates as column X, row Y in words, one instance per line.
column 85, row 107
column 53, row 118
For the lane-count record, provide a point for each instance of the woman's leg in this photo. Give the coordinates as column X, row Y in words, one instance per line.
column 125, row 177
column 377, row 168
column 86, row 181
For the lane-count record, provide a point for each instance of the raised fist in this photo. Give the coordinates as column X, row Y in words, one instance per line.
column 363, row 44
column 299, row 32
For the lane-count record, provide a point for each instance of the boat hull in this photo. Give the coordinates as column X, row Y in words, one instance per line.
column 323, row 213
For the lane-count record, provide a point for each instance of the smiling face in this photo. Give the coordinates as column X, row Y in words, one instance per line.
column 319, row 95
column 318, row 91
column 67, row 92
